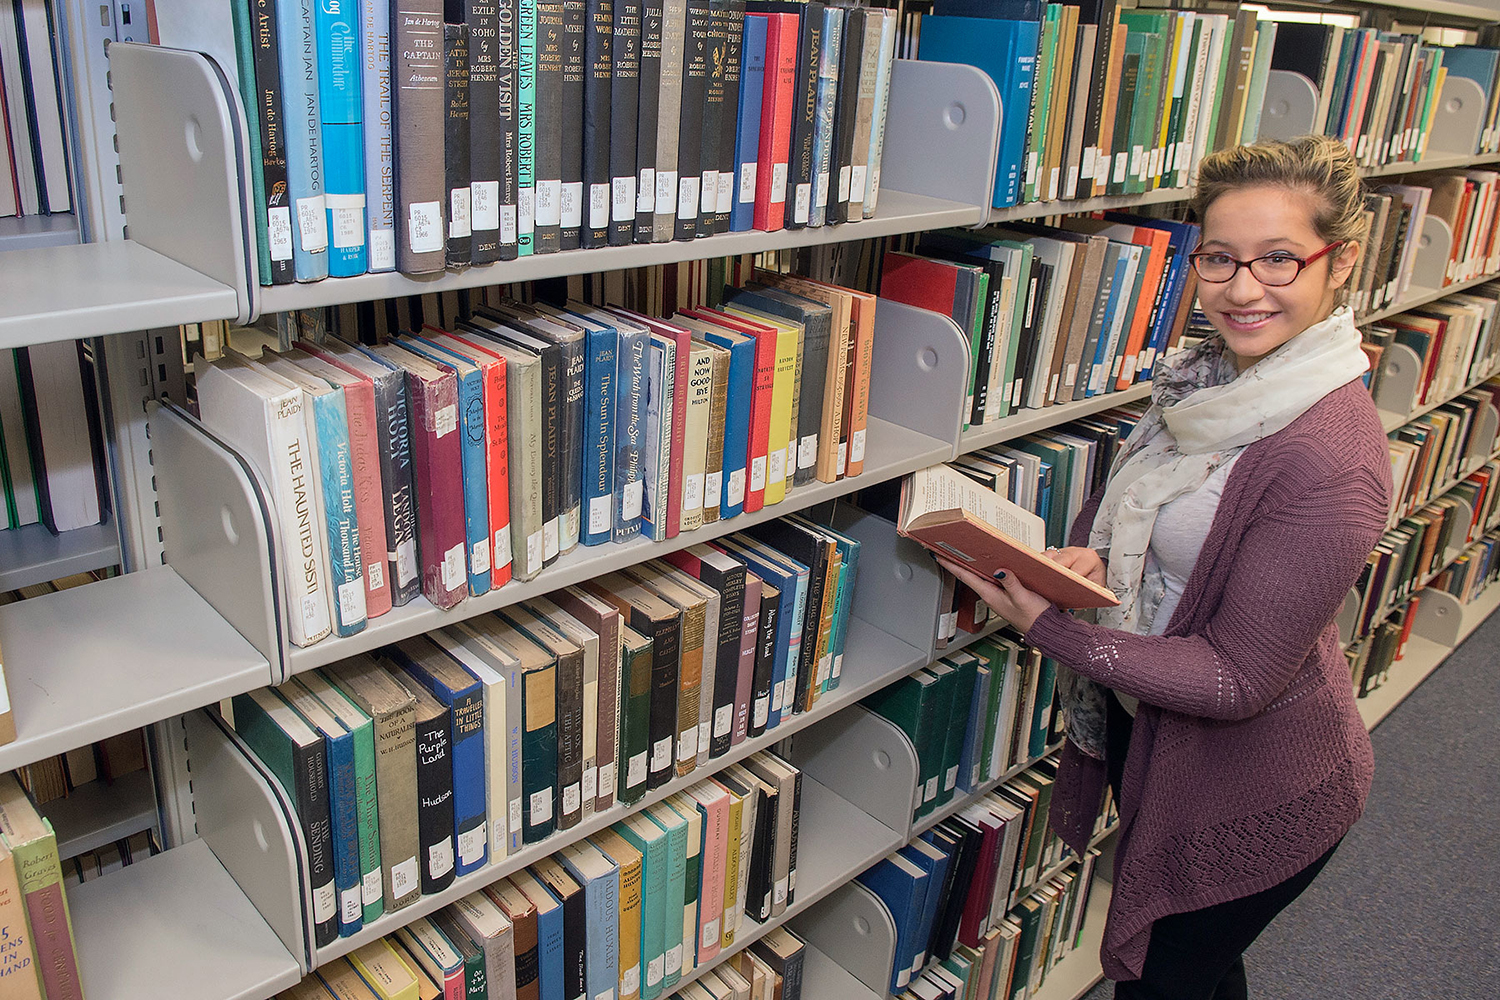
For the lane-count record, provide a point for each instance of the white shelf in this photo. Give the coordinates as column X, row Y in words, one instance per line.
column 91, row 662
column 175, row 927
column 1417, row 296
column 34, row 555
column 1103, row 203
column 31, row 232
column 1391, row 421
column 101, row 812
column 1028, row 421
column 1440, row 161
column 92, row 289
column 825, row 979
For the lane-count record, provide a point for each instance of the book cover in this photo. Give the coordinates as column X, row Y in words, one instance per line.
column 725, row 575
column 483, row 920
column 713, row 469
column 791, row 580
column 660, row 382
column 602, row 363
column 730, row 22
column 698, row 403
column 427, row 948
column 539, row 740
column 776, row 122
column 550, row 125
column 668, row 117
column 485, row 131
column 739, row 391
column 499, row 674
column 693, row 609
column 767, row 620
column 902, row 886
column 569, row 694
column 818, row 410
column 524, row 915
column 526, row 125
column 18, row 965
column 808, row 17
column 433, row 735
column 652, row 843
column 572, row 205
column 295, row 23
column 692, row 114
column 600, row 878
column 550, row 872
column 647, row 115
column 341, row 110
column 629, row 425
column 628, row 862
column 476, row 976
column 598, row 71
column 384, row 971
column 637, row 654
column 603, row 620
column 257, row 47
column 509, row 27
column 712, row 803
column 594, row 711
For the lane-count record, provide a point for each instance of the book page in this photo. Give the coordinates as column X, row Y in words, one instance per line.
column 941, row 488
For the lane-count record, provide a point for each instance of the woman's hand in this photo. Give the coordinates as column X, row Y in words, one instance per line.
column 1007, row 597
column 1080, row 559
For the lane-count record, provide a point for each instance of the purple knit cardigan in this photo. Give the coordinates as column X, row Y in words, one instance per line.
column 1248, row 759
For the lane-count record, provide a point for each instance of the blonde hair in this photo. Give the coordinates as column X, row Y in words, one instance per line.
column 1318, row 165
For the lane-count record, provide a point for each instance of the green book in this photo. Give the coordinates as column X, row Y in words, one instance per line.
column 1041, row 100
column 1150, row 104
column 981, row 309
column 244, row 47
column 965, row 670
column 1121, row 142
column 476, row 985
column 1225, row 41
column 692, row 887
column 1041, row 713
column 909, row 703
column 1017, row 323
column 636, row 654
column 538, row 730
column 651, row 840
column 676, row 829
column 366, row 804
column 1029, row 913
column 1259, row 75
column 526, row 126
column 945, row 720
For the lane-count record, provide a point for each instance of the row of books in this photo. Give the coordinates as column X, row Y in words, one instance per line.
column 634, row 908
column 1053, row 314
column 1371, row 658
column 499, row 731
column 105, row 762
column 39, row 959
column 51, row 448
column 110, row 858
column 1429, row 453
column 1453, row 338
column 954, row 885
column 1467, row 201
column 406, row 136
column 33, row 147
column 972, row 716
column 1472, row 572
column 576, row 424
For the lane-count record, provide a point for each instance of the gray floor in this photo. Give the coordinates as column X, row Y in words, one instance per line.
column 1409, row 907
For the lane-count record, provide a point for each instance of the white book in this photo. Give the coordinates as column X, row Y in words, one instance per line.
column 262, row 418
column 499, row 675
column 13, row 442
column 699, row 402
column 37, row 28
column 13, row 82
column 65, row 474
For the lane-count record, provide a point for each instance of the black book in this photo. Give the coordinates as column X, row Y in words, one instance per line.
column 598, row 53
column 812, row 551
column 456, row 142
column 484, row 130
column 507, row 66
column 1037, row 288
column 1102, row 13
column 575, row 923
column 434, row 790
column 267, row 98
column 734, row 27
column 817, row 328
column 1304, row 49
column 846, row 116
column 624, row 100
column 417, row 131
column 552, row 122
column 760, row 889
column 569, row 787
column 726, row 575
column 661, row 622
column 765, row 658
column 804, row 103
column 652, row 23
column 575, row 28
column 690, row 127
column 949, row 844
column 714, row 99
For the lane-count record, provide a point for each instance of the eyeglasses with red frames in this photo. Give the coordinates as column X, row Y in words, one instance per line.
column 1274, row 270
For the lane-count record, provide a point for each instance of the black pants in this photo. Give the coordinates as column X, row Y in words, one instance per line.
column 1199, row 955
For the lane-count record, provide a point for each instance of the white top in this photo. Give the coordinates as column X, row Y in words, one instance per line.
column 1176, row 539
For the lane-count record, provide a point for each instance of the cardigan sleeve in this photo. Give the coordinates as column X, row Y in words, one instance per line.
column 1287, row 582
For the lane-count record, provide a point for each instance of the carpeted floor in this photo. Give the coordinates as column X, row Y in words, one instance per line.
column 1409, row 907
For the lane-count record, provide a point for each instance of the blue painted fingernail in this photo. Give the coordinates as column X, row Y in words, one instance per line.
column 999, row 574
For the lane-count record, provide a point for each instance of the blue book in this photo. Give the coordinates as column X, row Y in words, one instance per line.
column 461, row 693
column 1006, row 52
column 549, row 934
column 601, row 368
column 935, row 863
column 1184, row 240
column 824, row 109
column 747, row 142
column 791, row 579
column 304, row 140
column 631, row 358
column 1098, row 379
column 341, row 107
column 380, row 166
column 346, row 569
column 342, row 802
column 736, row 416
column 661, row 375
column 675, row 827
column 470, row 421
column 902, row 887
column 600, row 878
column 1041, row 716
column 971, row 762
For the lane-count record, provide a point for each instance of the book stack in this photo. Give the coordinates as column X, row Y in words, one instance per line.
column 635, row 907
column 498, row 731
column 1053, row 315
column 976, row 894
column 412, row 137
column 33, row 130
column 1429, row 454
column 1454, row 341
column 1472, row 572
column 106, row 762
column 575, row 425
column 1371, row 658
column 41, row 958
column 1466, row 200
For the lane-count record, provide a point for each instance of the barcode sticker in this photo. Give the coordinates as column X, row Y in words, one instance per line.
column 845, row 173
column 666, row 192
column 630, row 980
column 541, row 806
column 778, row 184
column 687, row 743
column 857, row 180
column 375, row 574
column 842, row 461
column 550, row 539
column 635, row 770
column 778, row 696
column 502, row 547
column 279, row 231
column 382, row 249
column 736, row 487
column 929, row 790
column 724, row 199
column 781, row 891
column 445, row 420
column 590, row 784
column 807, row 452
column 762, row 710
column 776, row 472
column 857, row 446
column 484, row 206
column 654, row 970
column 630, row 499
column 351, row 601
column 458, row 213
column 471, row 845
column 598, row 206
column 820, row 194
column 515, row 817
column 703, row 736
column 507, row 223
column 572, row 204
column 747, row 182
column 325, row 902
column 572, row 798
column 312, row 223
column 370, row 887
column 802, row 203
column 600, row 511
column 622, row 196
column 661, row 753
column 723, row 719
column 404, row 878
column 549, row 203
column 687, row 197
column 645, row 198
column 758, row 474
column 713, row 489
column 692, row 492
column 406, row 562
column 708, row 191
column 607, row 780
column 424, row 222
column 453, row 567
column 479, row 556
column 674, row 959
column 710, row 932
column 950, row 780
column 440, row 858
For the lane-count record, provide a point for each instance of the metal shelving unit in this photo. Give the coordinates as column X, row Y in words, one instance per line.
column 34, row 555
column 30, row 232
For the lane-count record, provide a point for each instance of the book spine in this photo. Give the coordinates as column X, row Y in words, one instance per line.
column 630, row 434
column 368, row 821
column 364, row 442
column 40, row 876
column 438, row 463
column 335, row 469
column 435, row 802
column 696, row 30
column 260, row 85
column 396, row 475
column 340, row 106
column 570, row 204
column 698, row 402
column 602, row 367
column 846, row 114
column 552, row 375
column 569, row 740
column 747, row 139
column 418, row 91
column 658, row 440
column 539, row 752
column 713, row 114
column 648, row 111
column 728, row 658
column 527, row 494
column 826, row 103
column 775, row 122
column 304, row 140
column 507, row 86
column 497, row 463
column 762, row 685
column 526, row 121
column 882, row 104
column 801, row 154
column 853, row 207
column 610, row 685
column 676, row 467
column 598, row 70
column 733, row 15
column 570, row 485
column 468, row 739
column 624, row 103
column 689, row 690
column 666, row 639
column 553, row 120
column 310, row 775
column 484, row 133
column 379, row 158
column 344, row 815
column 713, row 470
column 18, row 966
column 635, row 720
column 669, row 118
column 456, row 144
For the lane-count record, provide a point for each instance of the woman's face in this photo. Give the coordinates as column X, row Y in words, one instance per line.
column 1251, row 222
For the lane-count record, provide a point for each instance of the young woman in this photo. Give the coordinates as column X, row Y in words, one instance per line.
column 1236, row 516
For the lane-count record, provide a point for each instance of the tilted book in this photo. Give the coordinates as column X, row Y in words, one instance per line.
column 297, row 39
column 591, row 643
column 569, row 699
column 33, row 848
column 546, row 940
column 598, row 617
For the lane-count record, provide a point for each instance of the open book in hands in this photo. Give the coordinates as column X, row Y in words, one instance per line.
column 951, row 514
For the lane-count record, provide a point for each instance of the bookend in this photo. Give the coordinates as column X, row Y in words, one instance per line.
column 1291, row 104
column 250, row 824
column 1348, row 617
column 1430, row 262
column 1482, row 438
column 1400, row 378
column 182, row 143
column 920, row 366
column 901, row 585
column 1459, row 119
column 218, row 531
column 855, row 929
column 866, row 760
column 1440, row 618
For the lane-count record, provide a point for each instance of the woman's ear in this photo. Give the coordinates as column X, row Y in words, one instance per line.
column 1343, row 263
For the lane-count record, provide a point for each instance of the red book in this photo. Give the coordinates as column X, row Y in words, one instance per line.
column 437, row 467
column 760, row 405
column 496, row 445
column 971, row 925
column 364, row 450
column 1411, row 617
column 776, row 121
column 683, row 337
column 926, row 284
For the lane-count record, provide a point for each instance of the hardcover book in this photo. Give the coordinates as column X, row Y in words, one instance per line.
column 572, row 206
column 499, row 674
column 549, row 932
column 257, row 47
column 297, row 39
column 340, row 108
column 550, row 119
column 539, row 740
column 624, row 105
column 569, row 695
column 597, row 617
column 433, row 737
column 522, row 913
column 456, row 152
column 417, row 78
column 33, row 847
column 628, row 861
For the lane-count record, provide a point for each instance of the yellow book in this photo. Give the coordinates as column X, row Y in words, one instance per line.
column 1172, row 74
column 629, row 860
column 339, row 978
column 18, row 968
column 389, row 976
column 732, row 869
column 312, row 988
column 784, row 393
